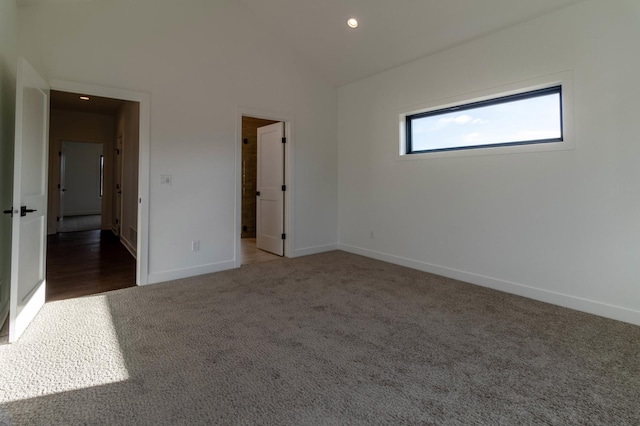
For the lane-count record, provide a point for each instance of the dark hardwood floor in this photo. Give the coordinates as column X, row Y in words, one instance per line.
column 88, row 262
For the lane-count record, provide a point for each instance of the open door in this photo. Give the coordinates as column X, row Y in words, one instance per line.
column 29, row 225
column 270, row 186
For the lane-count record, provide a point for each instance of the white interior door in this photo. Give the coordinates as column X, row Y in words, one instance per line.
column 270, row 187
column 29, row 230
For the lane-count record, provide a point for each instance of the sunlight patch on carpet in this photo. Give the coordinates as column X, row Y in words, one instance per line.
column 77, row 347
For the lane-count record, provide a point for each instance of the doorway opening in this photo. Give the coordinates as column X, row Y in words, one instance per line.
column 82, row 192
column 264, row 187
column 93, row 194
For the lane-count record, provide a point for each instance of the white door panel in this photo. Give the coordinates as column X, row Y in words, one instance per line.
column 270, row 179
column 28, row 237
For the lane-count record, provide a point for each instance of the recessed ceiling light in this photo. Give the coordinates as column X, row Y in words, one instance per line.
column 352, row 23
column 84, row 98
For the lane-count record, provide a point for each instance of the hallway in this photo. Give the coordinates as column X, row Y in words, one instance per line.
column 85, row 263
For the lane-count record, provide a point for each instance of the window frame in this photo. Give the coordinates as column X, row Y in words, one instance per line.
column 433, row 98
column 529, row 94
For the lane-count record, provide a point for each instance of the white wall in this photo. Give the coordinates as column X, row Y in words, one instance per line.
column 199, row 61
column 563, row 226
column 82, row 178
column 8, row 17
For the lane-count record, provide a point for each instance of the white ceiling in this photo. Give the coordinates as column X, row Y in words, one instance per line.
column 391, row 32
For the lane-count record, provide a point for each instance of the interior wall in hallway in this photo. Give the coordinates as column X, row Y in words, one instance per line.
column 128, row 130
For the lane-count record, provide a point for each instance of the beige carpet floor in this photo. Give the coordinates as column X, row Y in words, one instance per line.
column 328, row 339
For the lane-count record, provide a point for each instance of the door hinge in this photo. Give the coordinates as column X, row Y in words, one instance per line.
column 246, row 141
column 284, row 236
column 257, row 193
column 117, row 221
column 57, row 218
column 284, row 140
column 284, row 187
column 59, row 153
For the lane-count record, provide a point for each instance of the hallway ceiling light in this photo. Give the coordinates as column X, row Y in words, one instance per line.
column 352, row 23
column 84, row 98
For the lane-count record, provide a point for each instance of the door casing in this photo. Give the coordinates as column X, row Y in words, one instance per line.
column 144, row 99
column 288, row 120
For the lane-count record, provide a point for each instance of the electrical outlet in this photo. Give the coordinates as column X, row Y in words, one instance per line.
column 195, row 245
column 165, row 180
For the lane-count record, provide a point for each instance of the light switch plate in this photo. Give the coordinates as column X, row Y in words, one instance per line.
column 165, row 180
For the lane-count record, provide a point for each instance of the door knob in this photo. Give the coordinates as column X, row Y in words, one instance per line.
column 24, row 210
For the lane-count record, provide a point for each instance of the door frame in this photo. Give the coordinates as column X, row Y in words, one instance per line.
column 288, row 120
column 57, row 145
column 144, row 99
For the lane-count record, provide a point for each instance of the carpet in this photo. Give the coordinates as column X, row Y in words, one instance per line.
column 327, row 339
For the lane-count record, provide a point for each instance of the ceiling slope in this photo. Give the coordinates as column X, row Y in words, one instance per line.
column 391, row 33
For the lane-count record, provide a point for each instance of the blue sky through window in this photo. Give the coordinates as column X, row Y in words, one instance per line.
column 531, row 119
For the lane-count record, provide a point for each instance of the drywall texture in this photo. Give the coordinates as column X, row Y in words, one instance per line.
column 78, row 126
column 8, row 15
column 558, row 226
column 81, row 178
column 199, row 61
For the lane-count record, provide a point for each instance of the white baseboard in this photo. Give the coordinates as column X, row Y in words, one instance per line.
column 314, row 250
column 177, row 274
column 566, row 300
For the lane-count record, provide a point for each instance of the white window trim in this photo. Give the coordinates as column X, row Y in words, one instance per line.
column 564, row 79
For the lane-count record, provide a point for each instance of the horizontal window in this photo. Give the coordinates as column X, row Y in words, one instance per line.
column 532, row 117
